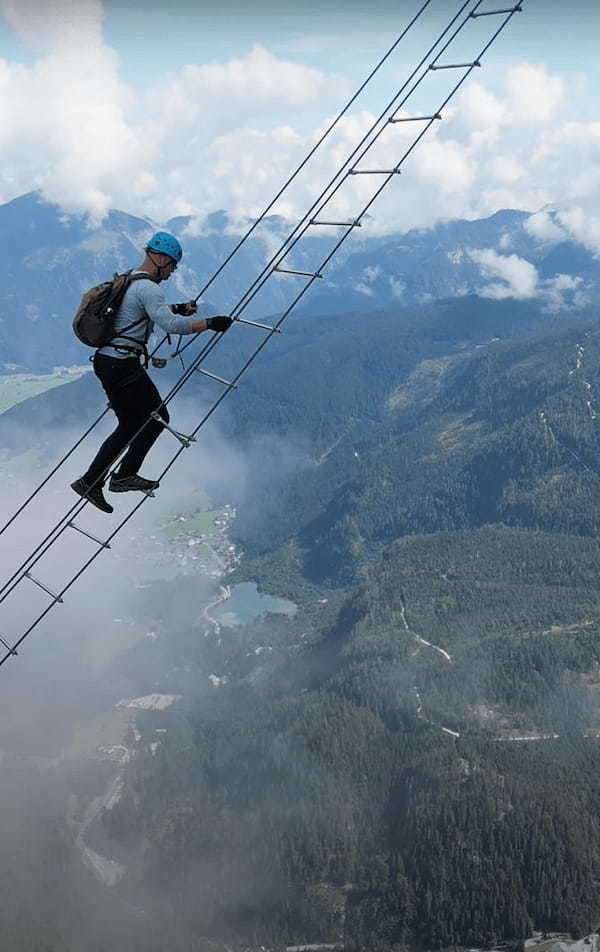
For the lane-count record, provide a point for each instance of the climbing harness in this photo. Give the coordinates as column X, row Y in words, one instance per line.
column 278, row 265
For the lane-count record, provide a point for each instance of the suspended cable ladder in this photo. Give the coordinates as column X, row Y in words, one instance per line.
column 278, row 267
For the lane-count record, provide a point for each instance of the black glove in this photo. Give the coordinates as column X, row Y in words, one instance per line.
column 219, row 323
column 186, row 309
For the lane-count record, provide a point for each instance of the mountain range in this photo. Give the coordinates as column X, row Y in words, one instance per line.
column 50, row 258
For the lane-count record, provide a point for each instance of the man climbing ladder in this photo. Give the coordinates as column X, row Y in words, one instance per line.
column 131, row 393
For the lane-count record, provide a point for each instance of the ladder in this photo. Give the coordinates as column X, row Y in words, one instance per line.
column 279, row 267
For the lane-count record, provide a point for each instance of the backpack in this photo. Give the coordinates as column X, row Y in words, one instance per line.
column 94, row 321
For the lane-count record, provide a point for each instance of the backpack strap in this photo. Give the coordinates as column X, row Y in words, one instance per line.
column 134, row 350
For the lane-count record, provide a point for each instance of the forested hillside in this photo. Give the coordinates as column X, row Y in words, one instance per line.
column 411, row 761
column 418, row 765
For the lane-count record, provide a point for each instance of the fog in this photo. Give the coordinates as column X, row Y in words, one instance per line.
column 66, row 710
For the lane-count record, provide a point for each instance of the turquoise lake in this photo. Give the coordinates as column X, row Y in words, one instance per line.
column 247, row 603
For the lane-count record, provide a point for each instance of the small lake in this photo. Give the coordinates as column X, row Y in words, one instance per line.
column 247, row 603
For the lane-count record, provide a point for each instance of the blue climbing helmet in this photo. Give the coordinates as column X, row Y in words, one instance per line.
column 166, row 244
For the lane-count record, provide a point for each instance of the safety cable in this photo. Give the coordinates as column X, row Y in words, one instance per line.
column 240, row 243
column 185, row 441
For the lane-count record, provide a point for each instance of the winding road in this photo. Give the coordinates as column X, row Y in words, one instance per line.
column 225, row 593
column 441, row 651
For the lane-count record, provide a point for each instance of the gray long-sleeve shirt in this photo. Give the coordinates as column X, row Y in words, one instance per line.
column 144, row 299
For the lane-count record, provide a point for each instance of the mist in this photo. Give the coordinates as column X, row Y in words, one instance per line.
column 76, row 703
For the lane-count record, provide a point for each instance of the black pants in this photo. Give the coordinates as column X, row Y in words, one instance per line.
column 133, row 397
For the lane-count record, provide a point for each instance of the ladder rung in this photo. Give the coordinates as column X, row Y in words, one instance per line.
column 338, row 224
column 183, row 439
column 436, row 115
column 265, row 327
column 105, row 545
column 41, row 585
column 306, row 274
column 226, row 383
column 491, row 13
column 374, row 171
column 455, row 65
column 8, row 647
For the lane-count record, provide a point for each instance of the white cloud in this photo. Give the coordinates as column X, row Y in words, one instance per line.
column 371, row 273
column 482, row 108
column 519, row 277
column 533, row 95
column 543, row 226
column 228, row 134
column 62, row 122
column 507, row 169
column 220, row 96
column 555, row 292
column 55, row 24
column 363, row 288
column 69, row 126
column 565, row 282
column 397, row 286
column 582, row 224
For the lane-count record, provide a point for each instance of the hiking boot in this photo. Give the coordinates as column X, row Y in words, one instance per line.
column 93, row 494
column 128, row 484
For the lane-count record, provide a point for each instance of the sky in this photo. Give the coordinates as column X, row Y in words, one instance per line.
column 183, row 108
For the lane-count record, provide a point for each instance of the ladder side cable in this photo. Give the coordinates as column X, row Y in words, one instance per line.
column 57, row 597
column 246, row 236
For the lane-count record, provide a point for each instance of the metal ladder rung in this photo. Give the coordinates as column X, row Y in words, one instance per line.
column 183, row 439
column 338, row 224
column 105, row 545
column 265, row 327
column 226, row 383
column 455, row 65
column 374, row 171
column 491, row 13
column 41, row 585
column 436, row 115
column 306, row 274
column 8, row 647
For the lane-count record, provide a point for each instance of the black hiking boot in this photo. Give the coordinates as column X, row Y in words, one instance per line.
column 93, row 494
column 128, row 484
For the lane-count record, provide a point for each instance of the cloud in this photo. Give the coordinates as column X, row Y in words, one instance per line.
column 70, row 127
column 482, row 108
column 228, row 134
column 63, row 126
column 398, row 287
column 519, row 277
column 582, row 224
column 533, row 95
column 55, row 24
column 544, row 227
